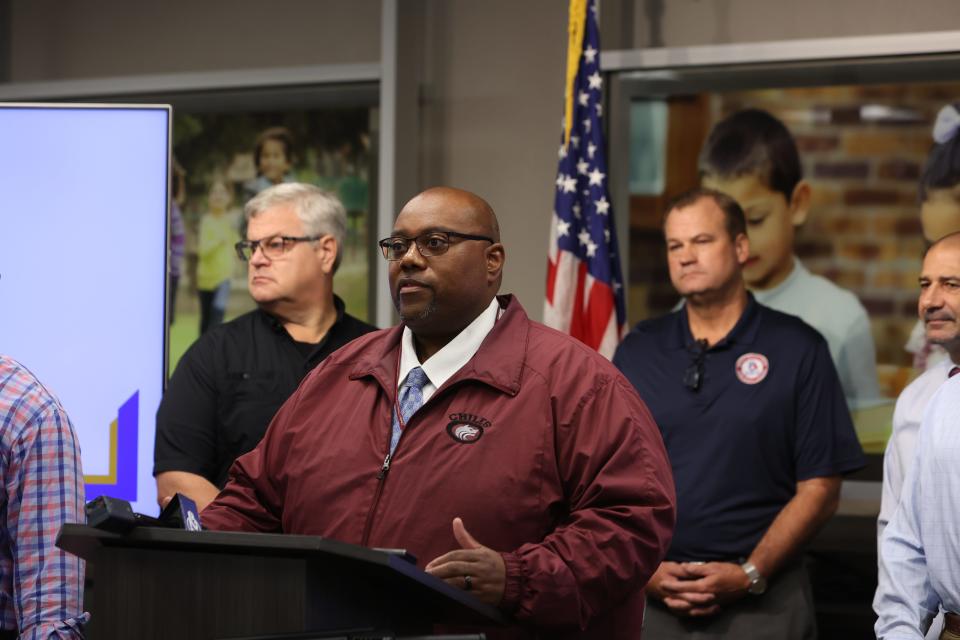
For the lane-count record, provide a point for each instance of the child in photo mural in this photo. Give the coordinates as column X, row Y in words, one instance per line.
column 273, row 158
column 215, row 248
column 178, row 236
column 752, row 157
column 939, row 212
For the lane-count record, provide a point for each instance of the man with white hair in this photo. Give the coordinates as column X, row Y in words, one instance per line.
column 229, row 384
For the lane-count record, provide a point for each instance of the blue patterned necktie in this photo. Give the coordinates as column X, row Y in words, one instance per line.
column 411, row 397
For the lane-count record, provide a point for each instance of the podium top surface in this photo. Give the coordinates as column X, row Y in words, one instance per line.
column 87, row 542
column 84, row 541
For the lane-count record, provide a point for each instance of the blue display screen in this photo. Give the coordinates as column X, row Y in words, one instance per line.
column 83, row 251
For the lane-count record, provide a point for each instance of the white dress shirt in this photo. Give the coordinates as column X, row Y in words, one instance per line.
column 840, row 318
column 901, row 446
column 441, row 366
column 920, row 547
column 901, row 449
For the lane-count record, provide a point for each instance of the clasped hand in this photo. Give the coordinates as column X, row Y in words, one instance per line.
column 698, row 589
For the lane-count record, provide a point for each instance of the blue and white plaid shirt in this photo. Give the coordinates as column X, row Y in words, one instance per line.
column 41, row 586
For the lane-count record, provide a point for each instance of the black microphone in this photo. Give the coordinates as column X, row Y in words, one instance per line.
column 117, row 516
column 110, row 514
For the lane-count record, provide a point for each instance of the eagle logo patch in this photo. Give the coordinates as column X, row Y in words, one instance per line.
column 466, row 428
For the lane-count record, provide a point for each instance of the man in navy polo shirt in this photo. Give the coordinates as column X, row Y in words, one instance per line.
column 757, row 430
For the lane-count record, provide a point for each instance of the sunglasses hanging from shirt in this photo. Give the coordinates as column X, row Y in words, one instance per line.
column 693, row 376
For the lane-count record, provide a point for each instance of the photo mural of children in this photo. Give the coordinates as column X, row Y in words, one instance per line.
column 178, row 236
column 215, row 249
column 752, row 157
column 251, row 151
column 273, row 159
column 939, row 211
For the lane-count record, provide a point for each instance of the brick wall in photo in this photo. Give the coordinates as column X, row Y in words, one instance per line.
column 863, row 149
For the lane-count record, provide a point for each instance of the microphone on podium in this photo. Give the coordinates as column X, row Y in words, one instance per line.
column 116, row 515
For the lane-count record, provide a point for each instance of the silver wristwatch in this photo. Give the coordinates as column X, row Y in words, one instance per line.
column 758, row 584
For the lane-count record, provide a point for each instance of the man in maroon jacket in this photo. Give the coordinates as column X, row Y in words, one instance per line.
column 470, row 416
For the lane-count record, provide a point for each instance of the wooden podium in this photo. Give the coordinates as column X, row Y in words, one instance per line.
column 205, row 585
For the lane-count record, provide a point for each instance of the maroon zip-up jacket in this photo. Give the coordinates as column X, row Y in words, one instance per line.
column 538, row 443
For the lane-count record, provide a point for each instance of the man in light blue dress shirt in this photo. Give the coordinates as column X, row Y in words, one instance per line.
column 920, row 547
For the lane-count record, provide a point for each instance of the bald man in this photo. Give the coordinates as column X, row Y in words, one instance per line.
column 511, row 460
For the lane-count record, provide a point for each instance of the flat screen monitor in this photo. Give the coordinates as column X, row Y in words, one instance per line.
column 83, row 275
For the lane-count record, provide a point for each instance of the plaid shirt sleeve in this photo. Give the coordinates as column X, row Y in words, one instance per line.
column 41, row 586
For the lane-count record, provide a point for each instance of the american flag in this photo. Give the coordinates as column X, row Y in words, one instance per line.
column 584, row 283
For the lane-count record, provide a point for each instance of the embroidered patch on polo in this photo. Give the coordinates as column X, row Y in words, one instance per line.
column 752, row 368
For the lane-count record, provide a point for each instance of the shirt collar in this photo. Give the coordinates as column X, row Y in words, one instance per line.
column 274, row 322
column 744, row 331
column 447, row 361
column 798, row 272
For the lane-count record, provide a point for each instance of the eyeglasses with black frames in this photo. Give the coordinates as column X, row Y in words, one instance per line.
column 272, row 247
column 433, row 243
column 693, row 376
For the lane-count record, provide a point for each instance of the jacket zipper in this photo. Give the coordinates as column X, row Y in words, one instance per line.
column 385, row 469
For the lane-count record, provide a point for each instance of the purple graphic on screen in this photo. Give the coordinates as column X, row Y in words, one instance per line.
column 121, row 482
